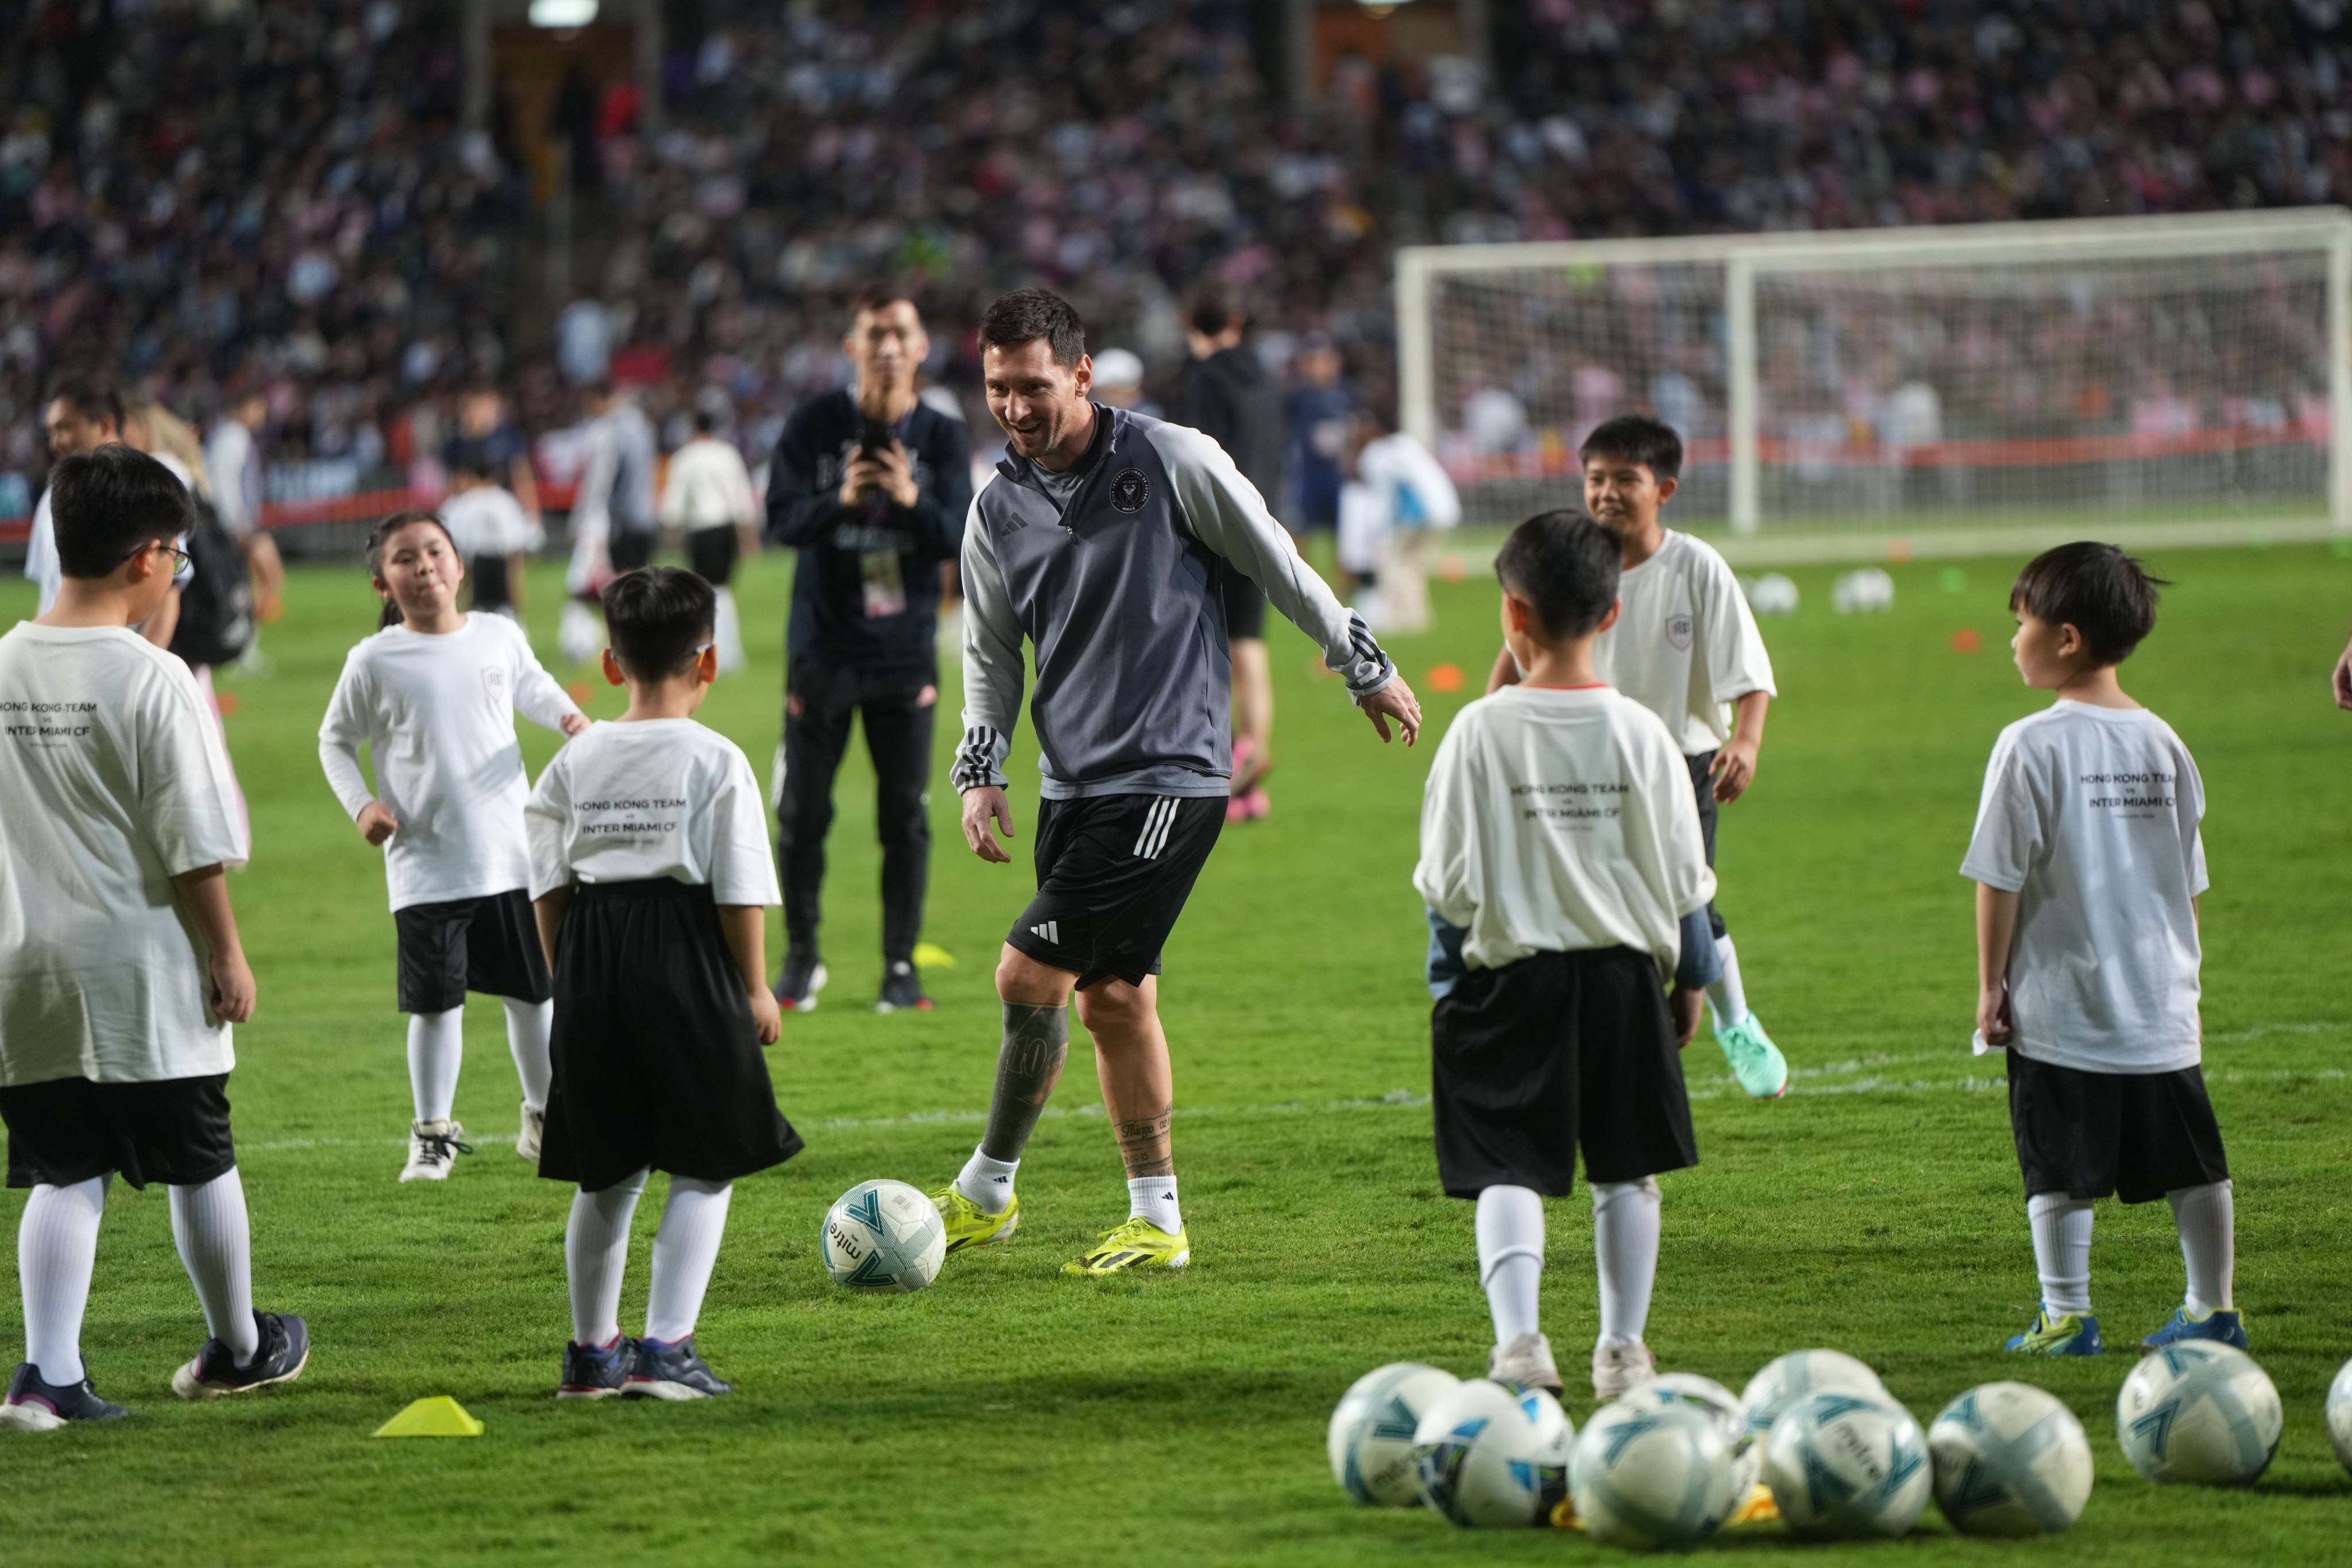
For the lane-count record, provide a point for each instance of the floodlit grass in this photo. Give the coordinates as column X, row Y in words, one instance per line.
column 1011, row 1414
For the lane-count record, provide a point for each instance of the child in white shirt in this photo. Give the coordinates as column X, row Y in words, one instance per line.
column 433, row 694
column 2088, row 864
column 492, row 532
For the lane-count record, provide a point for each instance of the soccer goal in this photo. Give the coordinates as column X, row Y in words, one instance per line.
column 2150, row 379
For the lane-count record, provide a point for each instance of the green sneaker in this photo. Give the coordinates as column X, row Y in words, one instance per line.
column 969, row 1225
column 2071, row 1333
column 1755, row 1060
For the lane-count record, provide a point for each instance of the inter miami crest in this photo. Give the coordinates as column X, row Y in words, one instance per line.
column 1128, row 490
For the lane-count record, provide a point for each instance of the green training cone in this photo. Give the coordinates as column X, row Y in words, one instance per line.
column 439, row 1416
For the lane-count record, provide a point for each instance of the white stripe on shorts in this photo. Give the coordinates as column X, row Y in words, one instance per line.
column 1149, row 842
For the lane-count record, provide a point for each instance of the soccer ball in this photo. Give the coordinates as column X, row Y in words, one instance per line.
column 2199, row 1412
column 1480, row 1457
column 1555, row 1440
column 1847, row 1464
column 883, row 1236
column 1652, row 1472
column 2339, row 1415
column 1370, row 1441
column 1724, row 1408
column 1772, row 594
column 1866, row 592
column 1801, row 1372
column 2009, row 1460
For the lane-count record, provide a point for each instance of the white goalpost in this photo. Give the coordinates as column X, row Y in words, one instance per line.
column 1945, row 389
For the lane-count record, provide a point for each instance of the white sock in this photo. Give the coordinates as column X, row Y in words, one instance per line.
column 986, row 1181
column 2208, row 1244
column 437, row 1045
column 1725, row 998
column 528, row 1025
column 727, row 631
column 1625, row 1249
column 57, row 1251
column 595, row 1250
column 215, row 1242
column 685, row 1249
column 1510, row 1258
column 2062, row 1251
column 1154, row 1198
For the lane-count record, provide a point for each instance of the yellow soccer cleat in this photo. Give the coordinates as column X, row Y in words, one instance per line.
column 1136, row 1244
column 969, row 1225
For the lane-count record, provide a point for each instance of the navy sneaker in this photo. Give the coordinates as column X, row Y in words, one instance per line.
column 2220, row 1326
column 285, row 1352
column 803, row 977
column 672, row 1371
column 37, row 1406
column 597, row 1371
column 902, row 990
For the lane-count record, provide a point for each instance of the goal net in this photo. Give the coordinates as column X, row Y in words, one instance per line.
column 2147, row 377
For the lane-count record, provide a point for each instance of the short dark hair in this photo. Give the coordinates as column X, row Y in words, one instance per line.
column 658, row 618
column 108, row 503
column 1211, row 308
column 1637, row 438
column 2096, row 589
column 1028, row 314
column 381, row 535
column 91, row 397
column 880, row 295
column 1565, row 566
column 705, row 422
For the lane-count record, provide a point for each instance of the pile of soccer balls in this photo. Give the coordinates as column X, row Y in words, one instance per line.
column 1667, row 1465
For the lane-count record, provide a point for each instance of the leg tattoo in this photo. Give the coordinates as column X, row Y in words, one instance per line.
column 1145, row 1146
column 1036, row 1044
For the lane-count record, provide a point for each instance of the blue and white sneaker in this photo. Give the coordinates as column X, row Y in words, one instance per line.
column 672, row 1371
column 36, row 1407
column 2222, row 1327
column 597, row 1371
column 285, row 1352
column 2072, row 1333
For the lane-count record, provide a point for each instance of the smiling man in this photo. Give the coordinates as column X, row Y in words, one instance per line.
column 1106, row 542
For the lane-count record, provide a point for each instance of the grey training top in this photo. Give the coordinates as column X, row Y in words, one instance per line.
column 1114, row 569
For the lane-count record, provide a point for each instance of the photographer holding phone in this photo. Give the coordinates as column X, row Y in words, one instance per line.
column 871, row 486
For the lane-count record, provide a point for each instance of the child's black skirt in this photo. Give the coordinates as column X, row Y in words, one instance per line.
column 656, row 1060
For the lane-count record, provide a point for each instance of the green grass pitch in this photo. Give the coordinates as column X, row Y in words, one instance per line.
column 1012, row 1415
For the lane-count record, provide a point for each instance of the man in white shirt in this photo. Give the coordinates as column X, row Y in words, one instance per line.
column 232, row 460
column 2089, row 863
column 707, row 493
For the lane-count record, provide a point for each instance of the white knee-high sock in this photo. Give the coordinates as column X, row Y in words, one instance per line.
column 595, row 1250
column 684, row 1250
column 437, row 1045
column 528, row 1025
column 215, row 1242
column 57, row 1251
column 2062, row 1251
column 1625, row 1250
column 1510, row 1258
column 2209, row 1244
column 1725, row 998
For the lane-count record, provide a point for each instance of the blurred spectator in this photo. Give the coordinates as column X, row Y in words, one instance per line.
column 489, row 443
column 707, row 493
column 1118, row 381
column 234, row 465
column 1320, row 414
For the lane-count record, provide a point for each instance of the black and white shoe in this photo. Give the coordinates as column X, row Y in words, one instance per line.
column 802, row 978
column 433, row 1148
column 902, row 988
column 285, row 1352
column 36, row 1407
column 671, row 1371
column 597, row 1371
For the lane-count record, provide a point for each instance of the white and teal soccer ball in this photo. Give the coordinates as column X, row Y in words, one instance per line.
column 1370, row 1441
column 1652, row 1473
column 884, row 1236
column 1867, row 592
column 2199, row 1412
column 1847, row 1464
column 1481, row 1457
column 2339, row 1415
column 1801, row 1372
column 2009, row 1459
column 1724, row 1408
column 1555, row 1440
column 1771, row 594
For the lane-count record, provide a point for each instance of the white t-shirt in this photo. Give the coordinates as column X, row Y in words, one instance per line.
column 488, row 520
column 707, row 486
column 1686, row 643
column 2090, row 816
column 112, row 781
column 657, row 797
column 1557, row 821
column 437, row 711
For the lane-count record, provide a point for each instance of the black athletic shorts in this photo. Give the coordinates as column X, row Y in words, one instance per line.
column 488, row 944
column 1244, row 607
column 630, row 548
column 1558, row 1050
column 490, row 578
column 712, row 553
column 69, row 1129
column 2136, row 1135
column 1113, row 873
column 1701, row 772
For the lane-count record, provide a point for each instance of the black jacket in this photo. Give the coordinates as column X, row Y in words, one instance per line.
column 1231, row 397
column 837, row 593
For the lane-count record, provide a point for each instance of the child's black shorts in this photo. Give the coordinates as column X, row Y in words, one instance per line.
column 2136, row 1135
column 1558, row 1049
column 1113, row 873
column 173, row 1131
column 488, row 944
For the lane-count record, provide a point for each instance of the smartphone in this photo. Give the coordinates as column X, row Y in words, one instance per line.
column 875, row 438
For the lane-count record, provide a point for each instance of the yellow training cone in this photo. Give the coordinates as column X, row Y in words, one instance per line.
column 930, row 955
column 440, row 1416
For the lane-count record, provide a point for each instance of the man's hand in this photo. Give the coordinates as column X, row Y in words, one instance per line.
column 574, row 723
column 862, row 478
column 1992, row 1014
column 1734, row 769
column 981, row 803
column 376, row 822
column 1396, row 700
column 765, row 1015
column 232, row 996
column 1504, row 673
column 2344, row 678
column 897, row 480
column 1684, row 1004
